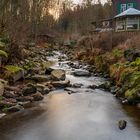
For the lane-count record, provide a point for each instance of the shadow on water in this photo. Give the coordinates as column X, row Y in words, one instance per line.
column 134, row 113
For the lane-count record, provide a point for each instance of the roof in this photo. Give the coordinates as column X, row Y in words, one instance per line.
column 129, row 12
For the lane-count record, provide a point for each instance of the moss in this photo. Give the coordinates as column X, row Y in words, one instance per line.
column 99, row 62
column 118, row 53
column 13, row 69
column 136, row 62
column 3, row 53
column 29, row 65
column 132, row 94
column 2, row 45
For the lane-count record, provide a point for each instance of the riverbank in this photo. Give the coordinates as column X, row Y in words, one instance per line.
column 120, row 64
column 26, row 81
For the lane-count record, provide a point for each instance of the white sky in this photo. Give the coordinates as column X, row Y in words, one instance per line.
column 77, row 1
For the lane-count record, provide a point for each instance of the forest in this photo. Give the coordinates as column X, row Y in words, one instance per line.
column 69, row 70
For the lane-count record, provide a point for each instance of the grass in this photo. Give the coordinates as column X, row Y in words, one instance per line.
column 3, row 53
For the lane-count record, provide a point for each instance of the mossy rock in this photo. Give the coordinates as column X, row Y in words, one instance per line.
column 3, row 54
column 13, row 73
column 13, row 69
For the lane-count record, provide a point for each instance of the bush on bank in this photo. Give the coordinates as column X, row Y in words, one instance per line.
column 122, row 62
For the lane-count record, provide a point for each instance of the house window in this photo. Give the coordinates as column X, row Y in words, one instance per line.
column 123, row 7
column 132, row 23
column 120, row 25
column 129, row 5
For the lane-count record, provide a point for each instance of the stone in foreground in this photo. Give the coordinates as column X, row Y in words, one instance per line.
column 122, row 124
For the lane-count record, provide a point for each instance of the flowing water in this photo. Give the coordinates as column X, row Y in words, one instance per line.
column 84, row 115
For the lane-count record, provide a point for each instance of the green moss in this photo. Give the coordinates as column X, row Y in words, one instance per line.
column 136, row 62
column 132, row 94
column 99, row 62
column 131, row 79
column 117, row 53
column 3, row 53
column 2, row 45
column 29, row 65
column 13, row 69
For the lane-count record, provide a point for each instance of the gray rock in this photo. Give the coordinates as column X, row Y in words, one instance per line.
column 38, row 96
column 8, row 94
column 40, row 78
column 82, row 73
column 29, row 89
column 77, row 85
column 58, row 75
column 43, row 89
column 122, row 124
column 93, row 86
column 15, row 108
column 70, row 90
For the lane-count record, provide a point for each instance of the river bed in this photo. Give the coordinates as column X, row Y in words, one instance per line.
column 84, row 115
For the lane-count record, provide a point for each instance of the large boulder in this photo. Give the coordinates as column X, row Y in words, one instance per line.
column 81, row 73
column 60, row 84
column 58, row 75
column 14, row 73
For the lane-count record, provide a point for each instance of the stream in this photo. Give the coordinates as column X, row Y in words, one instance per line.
column 84, row 115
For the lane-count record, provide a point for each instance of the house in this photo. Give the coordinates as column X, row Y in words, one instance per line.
column 128, row 20
column 127, row 15
column 120, row 6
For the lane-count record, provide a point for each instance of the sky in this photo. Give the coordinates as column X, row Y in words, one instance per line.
column 77, row 1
